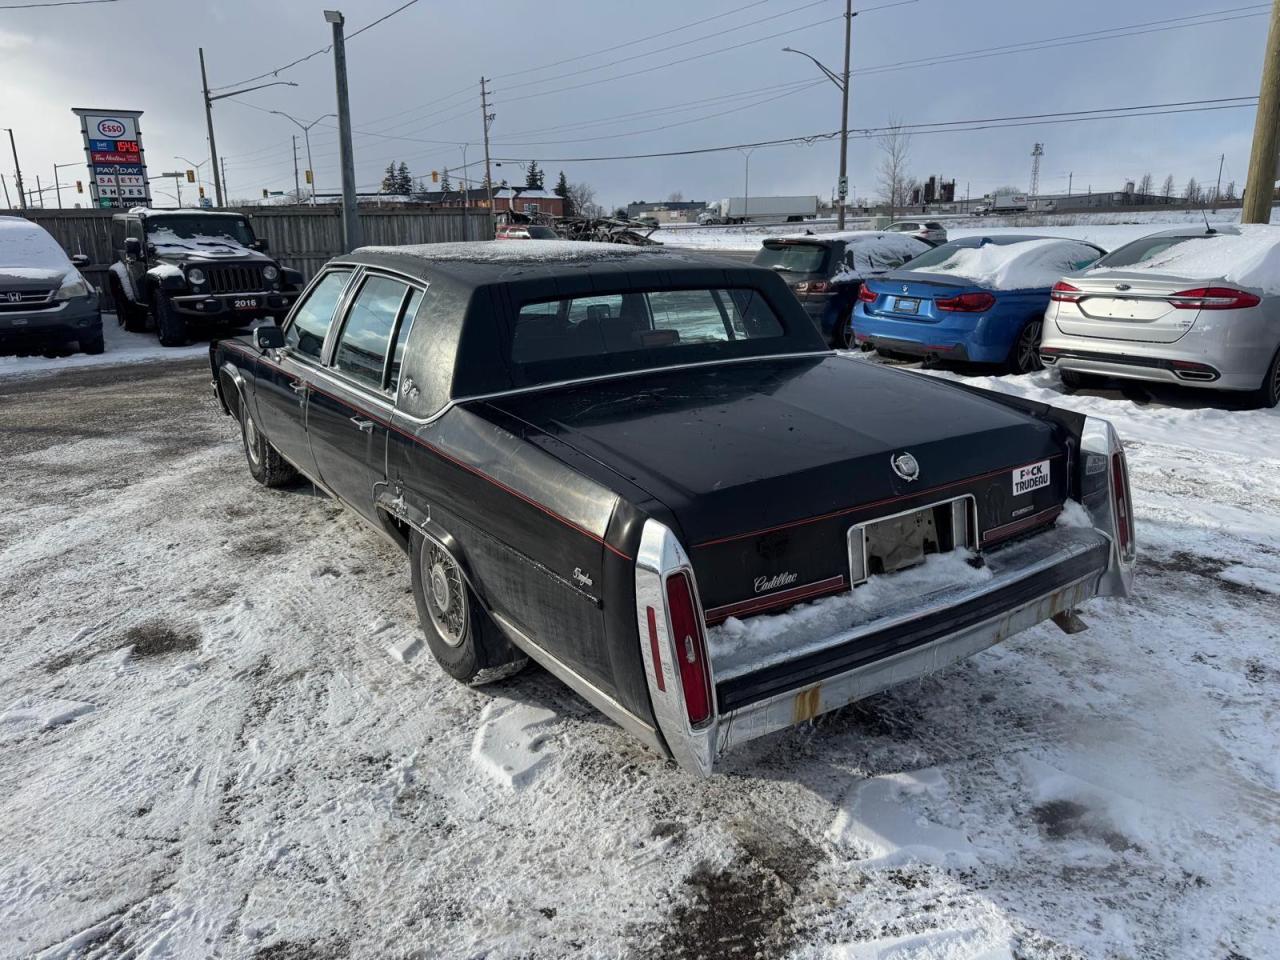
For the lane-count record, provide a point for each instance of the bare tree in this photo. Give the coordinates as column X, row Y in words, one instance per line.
column 1145, row 185
column 582, row 200
column 1166, row 191
column 675, row 196
column 895, row 149
column 1229, row 192
column 1191, row 192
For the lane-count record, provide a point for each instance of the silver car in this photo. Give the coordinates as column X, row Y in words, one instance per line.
column 930, row 231
column 1181, row 306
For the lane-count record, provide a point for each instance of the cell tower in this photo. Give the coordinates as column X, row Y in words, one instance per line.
column 1036, row 153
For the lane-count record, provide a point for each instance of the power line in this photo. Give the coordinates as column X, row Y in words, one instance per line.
column 52, row 3
column 315, row 53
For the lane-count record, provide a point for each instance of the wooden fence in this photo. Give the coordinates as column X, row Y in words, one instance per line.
column 300, row 237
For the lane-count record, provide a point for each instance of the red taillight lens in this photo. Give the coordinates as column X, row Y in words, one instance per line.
column 1124, row 509
column 1064, row 292
column 966, row 303
column 1214, row 298
column 691, row 648
column 866, row 294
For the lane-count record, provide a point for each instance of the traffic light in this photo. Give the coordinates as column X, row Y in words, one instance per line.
column 191, row 176
column 308, row 176
column 435, row 176
column 202, row 192
column 79, row 186
column 265, row 193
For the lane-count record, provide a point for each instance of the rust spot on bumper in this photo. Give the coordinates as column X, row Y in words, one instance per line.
column 806, row 703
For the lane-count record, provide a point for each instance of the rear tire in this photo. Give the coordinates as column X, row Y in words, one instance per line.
column 1075, row 380
column 461, row 636
column 265, row 464
column 1024, row 355
column 171, row 327
column 1267, row 396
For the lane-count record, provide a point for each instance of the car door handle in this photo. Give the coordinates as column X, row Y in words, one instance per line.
column 363, row 424
column 298, row 386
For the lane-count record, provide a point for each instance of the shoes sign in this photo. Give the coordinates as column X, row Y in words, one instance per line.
column 114, row 154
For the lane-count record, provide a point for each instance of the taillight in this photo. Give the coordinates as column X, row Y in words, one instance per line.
column 1064, row 292
column 1124, row 509
column 866, row 294
column 812, row 286
column 1214, row 298
column 691, row 648
column 966, row 303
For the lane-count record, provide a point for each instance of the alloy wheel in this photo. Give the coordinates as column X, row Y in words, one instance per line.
column 1028, row 353
column 446, row 594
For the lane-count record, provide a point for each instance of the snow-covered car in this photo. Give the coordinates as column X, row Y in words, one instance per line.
column 978, row 299
column 525, row 231
column 1191, row 306
column 192, row 268
column 637, row 469
column 825, row 271
column 930, row 231
column 45, row 301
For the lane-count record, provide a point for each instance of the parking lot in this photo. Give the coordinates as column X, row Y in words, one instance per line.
column 210, row 747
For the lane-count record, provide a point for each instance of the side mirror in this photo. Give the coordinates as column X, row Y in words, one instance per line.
column 268, row 337
column 80, row 260
column 132, row 247
column 259, row 245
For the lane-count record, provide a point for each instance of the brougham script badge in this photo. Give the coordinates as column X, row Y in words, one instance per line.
column 905, row 466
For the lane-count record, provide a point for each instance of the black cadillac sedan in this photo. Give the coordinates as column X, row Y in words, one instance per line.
column 635, row 468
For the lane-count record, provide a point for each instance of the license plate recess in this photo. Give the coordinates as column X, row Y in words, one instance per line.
column 888, row 544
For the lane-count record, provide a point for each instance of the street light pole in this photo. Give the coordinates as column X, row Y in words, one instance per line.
column 746, row 183
column 199, row 172
column 841, row 81
column 57, row 184
column 306, row 135
column 17, row 170
column 350, row 209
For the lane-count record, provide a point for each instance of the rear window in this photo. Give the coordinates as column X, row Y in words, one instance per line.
column 639, row 329
column 1146, row 249
column 793, row 257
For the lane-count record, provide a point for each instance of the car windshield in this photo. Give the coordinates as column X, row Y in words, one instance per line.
column 1146, row 249
column 195, row 231
column 791, row 257
column 610, row 332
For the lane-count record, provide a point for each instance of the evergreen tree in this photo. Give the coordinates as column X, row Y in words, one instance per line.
column 562, row 191
column 389, row 179
column 533, row 176
column 404, row 181
column 445, row 185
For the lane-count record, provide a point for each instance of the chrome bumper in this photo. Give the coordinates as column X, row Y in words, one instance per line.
column 1019, row 566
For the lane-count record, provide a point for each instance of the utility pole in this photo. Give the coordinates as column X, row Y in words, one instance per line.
column 350, row 208
column 1261, row 181
column 488, row 119
column 5, row 183
column 297, row 188
column 224, row 176
column 844, row 116
column 1070, row 179
column 208, row 119
column 746, row 183
column 17, row 170
column 1217, row 191
column 39, row 191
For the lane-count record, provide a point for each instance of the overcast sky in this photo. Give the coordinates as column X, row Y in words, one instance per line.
column 415, row 92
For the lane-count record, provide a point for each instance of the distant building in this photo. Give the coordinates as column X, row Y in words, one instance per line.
column 667, row 211
column 521, row 200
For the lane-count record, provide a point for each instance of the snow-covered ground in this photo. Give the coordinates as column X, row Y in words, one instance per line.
column 121, row 347
column 219, row 737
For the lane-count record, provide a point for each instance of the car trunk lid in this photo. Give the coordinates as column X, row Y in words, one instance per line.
column 1127, row 306
column 913, row 296
column 766, row 465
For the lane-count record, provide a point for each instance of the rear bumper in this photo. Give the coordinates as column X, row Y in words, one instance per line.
column 978, row 339
column 1032, row 581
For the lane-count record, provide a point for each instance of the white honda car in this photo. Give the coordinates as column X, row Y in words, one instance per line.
column 1200, row 307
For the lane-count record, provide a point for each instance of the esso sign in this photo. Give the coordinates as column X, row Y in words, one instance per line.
column 111, row 129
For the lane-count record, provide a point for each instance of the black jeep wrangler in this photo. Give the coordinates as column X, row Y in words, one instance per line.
column 187, row 268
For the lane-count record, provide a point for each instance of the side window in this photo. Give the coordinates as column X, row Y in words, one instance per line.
column 402, row 334
column 310, row 323
column 366, row 336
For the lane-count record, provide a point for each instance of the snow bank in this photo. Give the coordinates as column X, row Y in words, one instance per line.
column 1027, row 265
column 121, row 347
column 1250, row 258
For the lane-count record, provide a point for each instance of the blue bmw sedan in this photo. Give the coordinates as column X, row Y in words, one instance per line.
column 979, row 299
